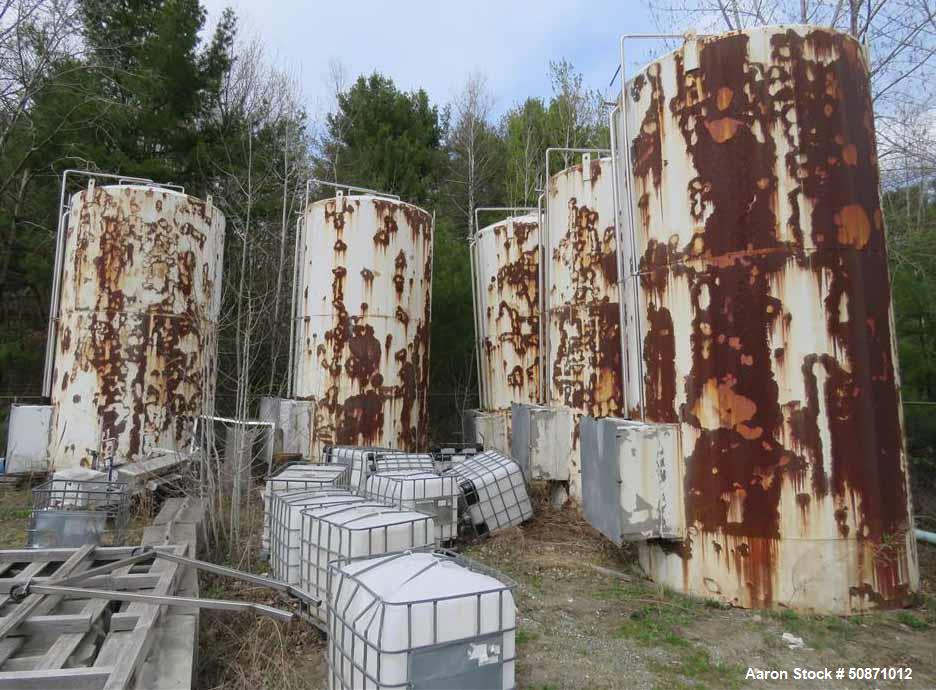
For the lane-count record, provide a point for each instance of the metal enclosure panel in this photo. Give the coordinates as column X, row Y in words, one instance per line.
column 542, row 442
column 520, row 436
column 507, row 288
column 137, row 329
column 649, row 458
column 553, row 452
column 583, row 357
column 491, row 429
column 601, row 477
column 292, row 424
column 28, row 439
column 766, row 324
column 476, row 664
column 362, row 337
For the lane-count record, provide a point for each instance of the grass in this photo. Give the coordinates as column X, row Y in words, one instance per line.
column 911, row 621
column 15, row 505
column 525, row 636
column 243, row 652
column 653, row 626
column 696, row 669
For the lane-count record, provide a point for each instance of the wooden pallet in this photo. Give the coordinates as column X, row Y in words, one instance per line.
column 75, row 643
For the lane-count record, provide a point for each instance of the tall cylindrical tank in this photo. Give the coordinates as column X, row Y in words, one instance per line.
column 362, row 342
column 138, row 318
column 767, row 330
column 506, row 274
column 583, row 359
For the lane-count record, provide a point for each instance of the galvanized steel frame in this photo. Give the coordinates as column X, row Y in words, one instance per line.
column 377, row 600
column 389, row 489
column 321, row 517
column 478, row 474
column 281, row 532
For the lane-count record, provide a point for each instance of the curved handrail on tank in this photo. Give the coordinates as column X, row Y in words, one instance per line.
column 628, row 204
column 618, row 248
column 544, row 223
column 491, row 209
column 294, row 308
column 541, row 297
column 350, row 188
column 55, row 296
column 472, row 245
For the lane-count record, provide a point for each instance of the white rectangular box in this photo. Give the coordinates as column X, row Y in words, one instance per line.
column 296, row 477
column 293, row 422
column 28, row 439
column 632, row 479
column 493, row 491
column 286, row 526
column 542, row 441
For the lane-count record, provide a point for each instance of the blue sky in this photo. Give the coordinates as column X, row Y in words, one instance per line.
column 437, row 44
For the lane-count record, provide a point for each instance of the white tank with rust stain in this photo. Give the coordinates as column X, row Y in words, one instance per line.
column 583, row 336
column 506, row 256
column 767, row 332
column 138, row 320
column 362, row 343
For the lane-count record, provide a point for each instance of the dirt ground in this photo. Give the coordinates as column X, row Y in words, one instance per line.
column 587, row 618
column 583, row 628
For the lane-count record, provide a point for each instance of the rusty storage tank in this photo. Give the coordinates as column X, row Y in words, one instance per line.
column 362, row 337
column 136, row 337
column 767, row 330
column 583, row 333
column 506, row 271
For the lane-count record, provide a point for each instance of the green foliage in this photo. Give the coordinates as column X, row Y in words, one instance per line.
column 385, row 139
column 911, row 621
column 525, row 134
column 158, row 84
column 910, row 215
column 452, row 337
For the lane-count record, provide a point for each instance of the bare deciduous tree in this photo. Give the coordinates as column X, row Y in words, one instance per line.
column 575, row 111
column 900, row 35
column 473, row 147
column 258, row 179
column 525, row 134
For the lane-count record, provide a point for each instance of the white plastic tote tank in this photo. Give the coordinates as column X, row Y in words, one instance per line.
column 493, row 491
column 354, row 531
column 425, row 492
column 286, row 525
column 421, row 621
column 297, row 477
column 363, row 462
